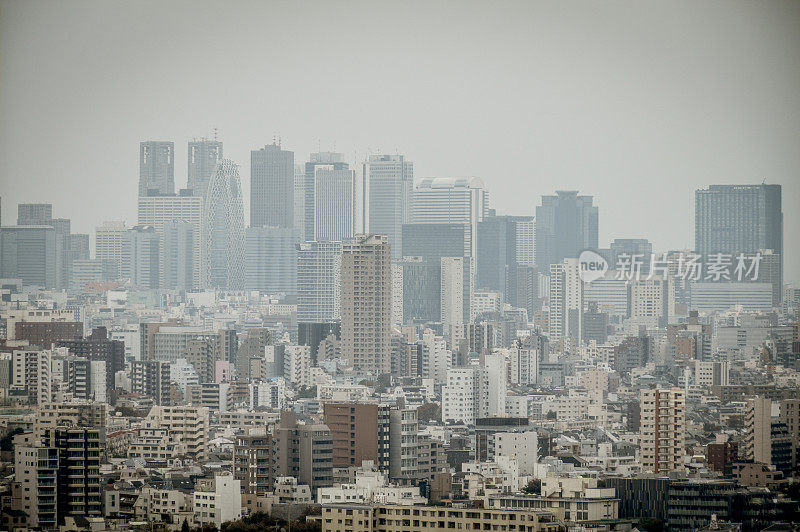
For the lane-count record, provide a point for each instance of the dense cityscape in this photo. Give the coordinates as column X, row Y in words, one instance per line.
column 336, row 341
column 374, row 344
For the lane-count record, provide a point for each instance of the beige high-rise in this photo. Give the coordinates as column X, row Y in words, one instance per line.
column 758, row 430
column 662, row 431
column 367, row 303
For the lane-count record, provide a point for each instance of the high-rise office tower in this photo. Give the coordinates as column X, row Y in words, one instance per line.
column 31, row 253
column 223, row 218
column 662, row 430
column 319, row 288
column 422, row 278
column 566, row 300
column 566, row 224
column 34, row 214
column 499, row 240
column 331, row 164
column 157, row 211
column 334, row 203
column 733, row 219
column 178, row 258
column 526, row 232
column 204, row 155
column 452, row 201
column 271, row 260
column 388, row 183
column 141, row 257
column 630, row 247
column 271, row 187
column 367, row 304
column 300, row 202
column 156, row 168
column 108, row 241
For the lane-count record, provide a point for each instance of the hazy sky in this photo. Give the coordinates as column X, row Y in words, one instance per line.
column 637, row 103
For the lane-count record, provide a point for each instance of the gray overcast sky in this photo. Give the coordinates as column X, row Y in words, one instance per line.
column 637, row 103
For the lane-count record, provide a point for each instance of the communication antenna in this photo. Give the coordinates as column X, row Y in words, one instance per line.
column 215, row 134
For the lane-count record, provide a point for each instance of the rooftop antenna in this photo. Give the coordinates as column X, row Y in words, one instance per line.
column 279, row 141
column 274, row 141
column 215, row 134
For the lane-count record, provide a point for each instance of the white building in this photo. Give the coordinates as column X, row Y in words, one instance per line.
column 436, row 358
column 521, row 446
column 475, row 391
column 157, row 211
column 566, row 300
column 319, row 284
column 297, row 365
column 523, row 365
column 218, row 503
column 453, row 201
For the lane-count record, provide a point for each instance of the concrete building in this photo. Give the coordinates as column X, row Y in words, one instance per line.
column 367, row 304
column 218, row 501
column 335, row 199
column 189, row 424
column 662, row 430
column 223, row 232
column 319, row 266
column 141, row 257
column 398, row 518
column 566, row 301
column 360, row 432
column 330, row 164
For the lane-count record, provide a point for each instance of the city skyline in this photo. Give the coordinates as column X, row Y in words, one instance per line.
column 671, row 142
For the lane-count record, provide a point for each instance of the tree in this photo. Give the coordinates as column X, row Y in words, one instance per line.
column 651, row 525
column 7, row 442
column 534, row 487
column 307, row 392
column 185, row 526
column 551, row 414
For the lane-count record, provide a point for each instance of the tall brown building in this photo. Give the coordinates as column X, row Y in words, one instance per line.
column 359, row 432
column 367, row 304
column 45, row 333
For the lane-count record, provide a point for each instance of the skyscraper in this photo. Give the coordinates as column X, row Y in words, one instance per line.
column 499, row 252
column 735, row 219
column 156, row 168
column 422, row 280
column 461, row 200
column 330, row 164
column 566, row 300
column 30, row 253
column 319, row 284
column 271, row 187
column 158, row 211
column 271, row 260
column 223, row 218
column 334, row 203
column 204, row 155
column 456, row 295
column 178, row 258
column 108, row 242
column 141, row 257
column 389, row 183
column 367, row 304
column 566, row 224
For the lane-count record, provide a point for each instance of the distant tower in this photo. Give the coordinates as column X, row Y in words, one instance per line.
column 224, row 234
column 388, row 188
column 331, row 171
column 204, row 155
column 156, row 168
column 271, row 187
column 565, row 225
